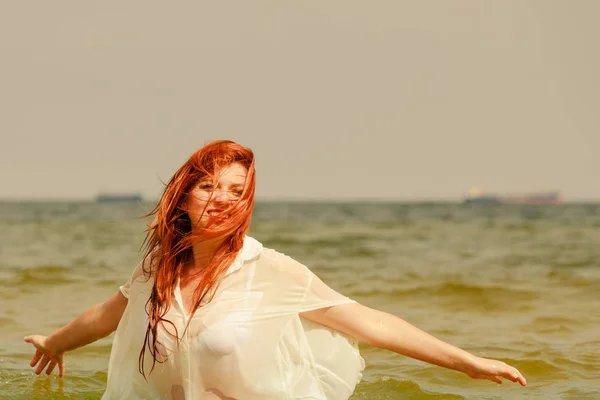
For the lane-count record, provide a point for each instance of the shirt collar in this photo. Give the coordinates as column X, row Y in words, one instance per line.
column 250, row 250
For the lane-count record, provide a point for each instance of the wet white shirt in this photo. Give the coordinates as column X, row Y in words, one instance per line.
column 248, row 343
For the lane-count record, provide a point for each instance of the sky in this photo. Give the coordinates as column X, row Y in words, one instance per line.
column 386, row 100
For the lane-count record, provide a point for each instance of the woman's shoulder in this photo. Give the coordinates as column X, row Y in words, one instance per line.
column 280, row 263
column 145, row 269
column 276, row 258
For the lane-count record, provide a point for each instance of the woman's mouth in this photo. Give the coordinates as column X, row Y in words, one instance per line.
column 214, row 213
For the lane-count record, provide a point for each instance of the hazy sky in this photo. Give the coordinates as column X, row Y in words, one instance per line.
column 338, row 99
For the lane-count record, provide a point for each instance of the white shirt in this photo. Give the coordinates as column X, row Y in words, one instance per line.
column 248, row 343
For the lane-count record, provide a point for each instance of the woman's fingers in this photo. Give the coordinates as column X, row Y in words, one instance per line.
column 61, row 367
column 493, row 369
column 492, row 378
column 512, row 374
column 45, row 360
column 33, row 339
column 36, row 357
column 38, row 354
column 51, row 367
column 45, row 357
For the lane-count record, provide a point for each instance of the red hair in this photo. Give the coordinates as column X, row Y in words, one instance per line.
column 169, row 239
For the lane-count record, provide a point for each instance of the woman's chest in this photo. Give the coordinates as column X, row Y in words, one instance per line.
column 230, row 320
column 187, row 296
column 211, row 326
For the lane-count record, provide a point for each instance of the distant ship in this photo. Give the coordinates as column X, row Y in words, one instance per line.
column 119, row 198
column 549, row 197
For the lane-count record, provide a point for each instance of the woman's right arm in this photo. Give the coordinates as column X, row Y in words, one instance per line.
column 96, row 322
column 386, row 331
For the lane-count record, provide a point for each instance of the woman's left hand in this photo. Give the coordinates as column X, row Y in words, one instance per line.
column 484, row 368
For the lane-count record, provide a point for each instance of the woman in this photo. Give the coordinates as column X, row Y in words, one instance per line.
column 211, row 314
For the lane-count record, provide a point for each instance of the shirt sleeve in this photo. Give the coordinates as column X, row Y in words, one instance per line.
column 300, row 289
column 312, row 353
column 137, row 272
column 320, row 295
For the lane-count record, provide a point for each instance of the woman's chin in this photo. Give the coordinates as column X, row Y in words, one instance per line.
column 210, row 223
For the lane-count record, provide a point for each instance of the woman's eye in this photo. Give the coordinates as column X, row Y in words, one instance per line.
column 205, row 186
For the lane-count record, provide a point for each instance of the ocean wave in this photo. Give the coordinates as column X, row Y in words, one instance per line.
column 387, row 388
column 42, row 275
column 476, row 295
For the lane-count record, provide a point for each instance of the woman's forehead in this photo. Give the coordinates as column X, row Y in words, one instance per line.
column 231, row 172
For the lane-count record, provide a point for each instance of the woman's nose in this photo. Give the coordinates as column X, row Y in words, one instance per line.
column 222, row 196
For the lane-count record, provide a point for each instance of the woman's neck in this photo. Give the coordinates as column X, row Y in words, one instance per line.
column 204, row 250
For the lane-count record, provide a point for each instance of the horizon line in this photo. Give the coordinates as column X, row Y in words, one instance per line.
column 267, row 199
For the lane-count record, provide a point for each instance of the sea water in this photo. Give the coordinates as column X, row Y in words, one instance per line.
column 517, row 283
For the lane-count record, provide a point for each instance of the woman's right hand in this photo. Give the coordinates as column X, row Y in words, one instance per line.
column 485, row 368
column 46, row 355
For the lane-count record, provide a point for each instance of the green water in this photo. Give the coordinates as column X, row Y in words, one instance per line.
column 518, row 283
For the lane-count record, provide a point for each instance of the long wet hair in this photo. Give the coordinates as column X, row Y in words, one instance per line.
column 169, row 239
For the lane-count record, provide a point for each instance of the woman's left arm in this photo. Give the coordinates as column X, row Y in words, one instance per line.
column 386, row 331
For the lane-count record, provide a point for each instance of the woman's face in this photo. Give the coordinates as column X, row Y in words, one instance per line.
column 209, row 198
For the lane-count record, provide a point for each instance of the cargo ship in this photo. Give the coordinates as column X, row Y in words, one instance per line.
column 546, row 197
column 119, row 198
